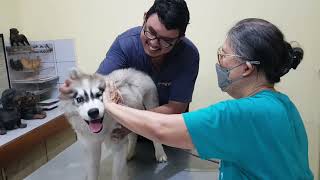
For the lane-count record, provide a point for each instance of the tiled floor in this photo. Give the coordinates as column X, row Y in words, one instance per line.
column 68, row 166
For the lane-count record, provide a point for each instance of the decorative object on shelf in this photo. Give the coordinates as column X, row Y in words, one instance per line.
column 39, row 74
column 16, row 65
column 31, row 64
column 44, row 66
column 17, row 39
column 10, row 117
column 26, row 104
column 42, row 48
column 9, row 120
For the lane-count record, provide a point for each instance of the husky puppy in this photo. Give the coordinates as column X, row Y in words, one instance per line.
column 85, row 111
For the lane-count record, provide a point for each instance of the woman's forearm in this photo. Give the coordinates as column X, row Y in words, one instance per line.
column 138, row 121
column 165, row 129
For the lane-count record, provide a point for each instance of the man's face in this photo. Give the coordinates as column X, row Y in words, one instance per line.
column 156, row 39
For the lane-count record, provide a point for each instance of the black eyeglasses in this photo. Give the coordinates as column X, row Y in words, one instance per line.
column 221, row 55
column 163, row 43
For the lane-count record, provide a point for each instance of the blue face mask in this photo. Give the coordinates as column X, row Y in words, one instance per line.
column 223, row 76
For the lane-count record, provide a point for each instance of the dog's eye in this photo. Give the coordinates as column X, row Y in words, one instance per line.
column 101, row 89
column 99, row 94
column 79, row 99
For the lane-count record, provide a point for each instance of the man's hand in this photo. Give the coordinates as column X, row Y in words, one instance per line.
column 65, row 89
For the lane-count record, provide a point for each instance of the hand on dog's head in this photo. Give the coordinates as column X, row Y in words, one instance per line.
column 66, row 90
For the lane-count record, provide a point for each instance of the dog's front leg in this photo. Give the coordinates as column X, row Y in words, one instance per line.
column 132, row 145
column 93, row 154
column 120, row 169
column 159, row 152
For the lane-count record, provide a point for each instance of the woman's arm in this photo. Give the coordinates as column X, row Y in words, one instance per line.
column 165, row 129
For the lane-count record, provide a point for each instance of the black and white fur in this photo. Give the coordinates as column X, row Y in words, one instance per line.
column 85, row 110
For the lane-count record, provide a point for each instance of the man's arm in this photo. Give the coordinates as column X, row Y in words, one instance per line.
column 115, row 59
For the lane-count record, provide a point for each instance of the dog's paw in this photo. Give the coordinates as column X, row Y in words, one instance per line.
column 22, row 125
column 3, row 131
column 161, row 157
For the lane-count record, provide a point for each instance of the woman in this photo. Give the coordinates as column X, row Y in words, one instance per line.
column 257, row 135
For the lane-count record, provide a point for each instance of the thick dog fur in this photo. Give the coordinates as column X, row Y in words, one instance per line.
column 84, row 107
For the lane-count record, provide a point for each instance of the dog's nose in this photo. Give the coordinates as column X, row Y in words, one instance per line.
column 93, row 113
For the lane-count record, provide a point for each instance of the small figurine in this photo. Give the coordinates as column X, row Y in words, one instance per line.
column 31, row 64
column 25, row 102
column 10, row 117
column 17, row 39
column 28, row 106
column 16, row 65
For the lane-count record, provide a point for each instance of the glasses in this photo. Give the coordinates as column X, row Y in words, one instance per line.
column 163, row 43
column 221, row 55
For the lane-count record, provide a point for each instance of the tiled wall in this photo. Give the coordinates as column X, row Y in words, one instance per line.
column 65, row 58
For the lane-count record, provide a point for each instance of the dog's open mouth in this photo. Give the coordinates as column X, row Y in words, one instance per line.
column 96, row 125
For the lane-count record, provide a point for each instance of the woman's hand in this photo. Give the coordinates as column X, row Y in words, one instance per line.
column 112, row 94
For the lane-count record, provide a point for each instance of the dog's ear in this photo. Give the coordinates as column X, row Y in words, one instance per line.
column 102, row 81
column 102, row 86
column 75, row 73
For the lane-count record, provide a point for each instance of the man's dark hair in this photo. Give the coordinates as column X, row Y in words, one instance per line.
column 260, row 40
column 174, row 14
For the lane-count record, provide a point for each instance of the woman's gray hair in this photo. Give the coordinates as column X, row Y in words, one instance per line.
column 260, row 40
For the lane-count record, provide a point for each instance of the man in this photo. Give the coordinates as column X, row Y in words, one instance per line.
column 160, row 49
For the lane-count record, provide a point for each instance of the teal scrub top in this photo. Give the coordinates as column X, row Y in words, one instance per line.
column 256, row 137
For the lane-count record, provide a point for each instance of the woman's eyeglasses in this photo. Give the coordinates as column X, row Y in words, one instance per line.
column 221, row 55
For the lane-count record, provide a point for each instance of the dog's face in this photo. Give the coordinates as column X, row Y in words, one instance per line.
column 87, row 91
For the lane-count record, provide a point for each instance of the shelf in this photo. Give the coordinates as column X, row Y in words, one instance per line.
column 35, row 81
column 32, row 49
column 41, row 91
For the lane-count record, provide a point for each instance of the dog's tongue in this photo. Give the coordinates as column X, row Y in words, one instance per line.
column 95, row 126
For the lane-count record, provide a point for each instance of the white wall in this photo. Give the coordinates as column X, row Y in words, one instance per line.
column 94, row 25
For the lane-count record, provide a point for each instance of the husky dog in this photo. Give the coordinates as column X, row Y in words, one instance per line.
column 85, row 111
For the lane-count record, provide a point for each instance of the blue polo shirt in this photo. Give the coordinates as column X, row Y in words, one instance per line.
column 258, row 137
column 176, row 78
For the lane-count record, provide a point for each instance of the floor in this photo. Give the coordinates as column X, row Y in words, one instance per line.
column 68, row 165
